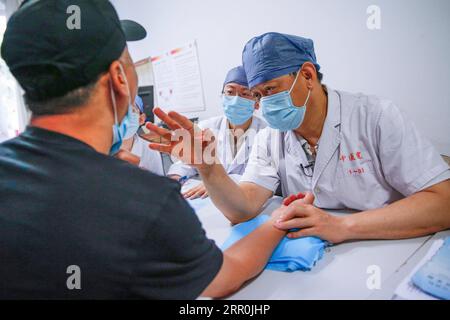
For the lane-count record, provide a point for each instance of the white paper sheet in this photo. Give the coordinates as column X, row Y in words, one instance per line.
column 178, row 80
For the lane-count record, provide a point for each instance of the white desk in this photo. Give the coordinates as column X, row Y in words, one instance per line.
column 341, row 274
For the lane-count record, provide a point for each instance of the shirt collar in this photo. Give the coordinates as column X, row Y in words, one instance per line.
column 52, row 137
column 333, row 118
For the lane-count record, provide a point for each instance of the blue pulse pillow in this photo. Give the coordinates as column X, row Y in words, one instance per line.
column 290, row 255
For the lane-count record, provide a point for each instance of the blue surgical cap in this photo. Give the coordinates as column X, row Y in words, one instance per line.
column 139, row 103
column 236, row 75
column 273, row 55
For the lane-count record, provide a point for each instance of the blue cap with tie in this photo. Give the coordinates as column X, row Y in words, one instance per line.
column 273, row 55
column 236, row 75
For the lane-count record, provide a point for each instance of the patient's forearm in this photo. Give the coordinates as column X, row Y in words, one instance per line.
column 245, row 260
column 423, row 213
column 253, row 252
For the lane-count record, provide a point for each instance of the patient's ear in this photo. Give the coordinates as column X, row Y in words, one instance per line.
column 117, row 79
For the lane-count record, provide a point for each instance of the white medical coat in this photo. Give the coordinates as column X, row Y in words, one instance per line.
column 150, row 159
column 369, row 156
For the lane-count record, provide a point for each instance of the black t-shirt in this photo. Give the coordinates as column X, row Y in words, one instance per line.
column 130, row 232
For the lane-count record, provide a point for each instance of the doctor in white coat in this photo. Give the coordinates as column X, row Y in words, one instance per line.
column 234, row 132
column 346, row 150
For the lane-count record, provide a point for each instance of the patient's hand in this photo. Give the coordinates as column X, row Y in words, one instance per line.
column 285, row 209
column 311, row 221
column 196, row 192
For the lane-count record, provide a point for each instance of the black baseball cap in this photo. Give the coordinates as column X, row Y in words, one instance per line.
column 49, row 56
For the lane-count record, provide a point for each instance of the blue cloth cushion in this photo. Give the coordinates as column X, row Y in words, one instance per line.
column 290, row 255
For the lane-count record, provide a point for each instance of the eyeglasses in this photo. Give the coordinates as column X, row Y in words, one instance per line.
column 232, row 92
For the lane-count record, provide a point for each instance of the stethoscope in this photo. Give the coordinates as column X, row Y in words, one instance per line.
column 306, row 168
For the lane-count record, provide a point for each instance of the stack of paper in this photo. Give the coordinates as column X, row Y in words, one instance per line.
column 434, row 276
column 407, row 289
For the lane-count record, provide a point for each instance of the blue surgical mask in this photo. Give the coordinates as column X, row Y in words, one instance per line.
column 237, row 109
column 123, row 131
column 133, row 123
column 281, row 113
column 130, row 123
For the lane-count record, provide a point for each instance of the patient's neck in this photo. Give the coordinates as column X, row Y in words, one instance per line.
column 87, row 126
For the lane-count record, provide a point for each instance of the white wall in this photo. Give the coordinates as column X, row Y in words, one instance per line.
column 408, row 60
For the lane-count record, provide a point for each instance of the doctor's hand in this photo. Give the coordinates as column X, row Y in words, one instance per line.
column 311, row 221
column 185, row 140
column 196, row 192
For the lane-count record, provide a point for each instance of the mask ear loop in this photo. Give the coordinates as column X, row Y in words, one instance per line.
column 113, row 98
column 295, row 81
column 307, row 98
column 292, row 88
